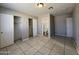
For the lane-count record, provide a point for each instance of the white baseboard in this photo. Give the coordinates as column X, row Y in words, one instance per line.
column 60, row 35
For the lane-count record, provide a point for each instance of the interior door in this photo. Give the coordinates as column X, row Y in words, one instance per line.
column 7, row 32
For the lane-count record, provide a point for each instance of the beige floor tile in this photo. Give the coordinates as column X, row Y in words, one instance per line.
column 15, row 52
column 44, row 50
column 37, row 47
column 33, row 43
column 38, row 53
column 70, row 45
column 60, row 44
column 56, row 53
column 25, row 47
column 70, row 52
column 3, row 51
column 50, row 44
column 60, row 41
column 42, row 46
column 31, row 51
column 59, row 49
column 45, row 39
column 13, row 47
column 69, row 42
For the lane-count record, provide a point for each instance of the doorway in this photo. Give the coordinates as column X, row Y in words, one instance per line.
column 30, row 27
column 17, row 28
column 45, row 30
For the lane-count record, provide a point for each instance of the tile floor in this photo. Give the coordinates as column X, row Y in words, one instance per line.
column 41, row 46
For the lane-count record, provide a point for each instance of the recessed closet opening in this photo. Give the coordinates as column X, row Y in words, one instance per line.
column 52, row 26
column 17, row 28
column 30, row 21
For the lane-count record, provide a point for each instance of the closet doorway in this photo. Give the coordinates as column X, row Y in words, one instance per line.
column 17, row 28
column 30, row 27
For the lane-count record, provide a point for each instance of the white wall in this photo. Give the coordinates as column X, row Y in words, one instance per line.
column 76, row 25
column 60, row 25
column 24, row 17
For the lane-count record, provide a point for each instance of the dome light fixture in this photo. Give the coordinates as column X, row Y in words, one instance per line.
column 40, row 5
column 50, row 8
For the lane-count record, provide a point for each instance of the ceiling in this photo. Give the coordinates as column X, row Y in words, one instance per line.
column 32, row 9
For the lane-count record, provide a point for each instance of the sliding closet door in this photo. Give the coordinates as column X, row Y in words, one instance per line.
column 7, row 32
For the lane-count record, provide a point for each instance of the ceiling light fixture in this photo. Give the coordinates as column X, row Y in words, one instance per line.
column 50, row 8
column 40, row 5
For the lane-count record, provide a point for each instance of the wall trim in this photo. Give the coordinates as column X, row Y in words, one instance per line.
column 60, row 35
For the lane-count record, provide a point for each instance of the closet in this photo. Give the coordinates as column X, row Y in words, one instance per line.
column 17, row 28
column 6, row 30
column 52, row 25
column 32, row 27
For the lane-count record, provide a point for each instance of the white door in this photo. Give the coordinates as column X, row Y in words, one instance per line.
column 6, row 30
column 34, row 27
column 69, row 26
